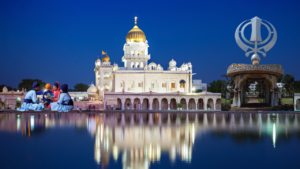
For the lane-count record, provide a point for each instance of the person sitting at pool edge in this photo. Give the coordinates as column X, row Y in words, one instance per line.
column 30, row 102
column 47, row 96
column 65, row 102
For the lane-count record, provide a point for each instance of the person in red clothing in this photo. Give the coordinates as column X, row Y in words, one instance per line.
column 56, row 92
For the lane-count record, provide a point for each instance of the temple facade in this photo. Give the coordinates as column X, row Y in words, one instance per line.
column 138, row 79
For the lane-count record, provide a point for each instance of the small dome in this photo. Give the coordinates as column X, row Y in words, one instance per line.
column 136, row 34
column 172, row 63
column 92, row 89
column 4, row 89
column 98, row 62
column 152, row 64
column 105, row 58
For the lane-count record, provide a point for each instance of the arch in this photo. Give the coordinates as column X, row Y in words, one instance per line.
column 137, row 65
column 128, row 104
column 200, row 104
column 155, row 104
column 142, row 65
column 142, row 53
column 249, row 75
column 145, row 104
column 119, row 103
column 132, row 65
column 164, row 104
column 136, row 103
column 183, row 102
column 173, row 104
column 18, row 102
column 192, row 104
column 218, row 104
column 210, row 102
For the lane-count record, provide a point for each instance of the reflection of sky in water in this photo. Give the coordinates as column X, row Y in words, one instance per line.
column 143, row 140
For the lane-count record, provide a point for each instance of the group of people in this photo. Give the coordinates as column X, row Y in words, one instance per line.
column 56, row 99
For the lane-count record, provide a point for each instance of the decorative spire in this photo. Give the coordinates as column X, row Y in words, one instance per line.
column 135, row 18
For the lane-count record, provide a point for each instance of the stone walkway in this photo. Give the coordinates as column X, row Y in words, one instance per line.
column 252, row 100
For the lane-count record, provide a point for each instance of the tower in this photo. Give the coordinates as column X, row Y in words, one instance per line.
column 135, row 49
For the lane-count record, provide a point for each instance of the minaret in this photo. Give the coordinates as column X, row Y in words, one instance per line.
column 135, row 49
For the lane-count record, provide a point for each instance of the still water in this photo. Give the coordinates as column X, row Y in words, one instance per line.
column 149, row 140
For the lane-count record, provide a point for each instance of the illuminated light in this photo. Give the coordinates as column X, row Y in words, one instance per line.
column 274, row 135
column 115, row 153
column 45, row 114
column 31, row 122
column 18, row 115
column 18, row 123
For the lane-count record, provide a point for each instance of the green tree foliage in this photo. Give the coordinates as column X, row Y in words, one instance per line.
column 198, row 90
column 215, row 86
column 297, row 86
column 260, row 89
column 27, row 84
column 288, row 81
column 9, row 88
column 81, row 87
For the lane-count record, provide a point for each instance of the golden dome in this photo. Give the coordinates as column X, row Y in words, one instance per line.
column 136, row 34
column 105, row 58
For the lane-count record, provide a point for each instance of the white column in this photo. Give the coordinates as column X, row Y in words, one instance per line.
column 215, row 101
column 196, row 101
column 159, row 105
column 150, row 102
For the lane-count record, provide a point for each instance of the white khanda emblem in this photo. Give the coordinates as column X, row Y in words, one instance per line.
column 256, row 39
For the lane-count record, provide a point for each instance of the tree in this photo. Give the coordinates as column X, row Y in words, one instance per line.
column 260, row 89
column 9, row 88
column 27, row 84
column 216, row 86
column 198, row 90
column 288, row 81
column 81, row 87
column 297, row 86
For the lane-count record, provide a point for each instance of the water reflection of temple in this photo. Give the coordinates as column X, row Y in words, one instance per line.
column 140, row 139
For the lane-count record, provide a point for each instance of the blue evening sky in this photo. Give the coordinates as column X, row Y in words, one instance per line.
column 59, row 40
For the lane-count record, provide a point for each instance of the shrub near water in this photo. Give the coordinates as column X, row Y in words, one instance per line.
column 225, row 106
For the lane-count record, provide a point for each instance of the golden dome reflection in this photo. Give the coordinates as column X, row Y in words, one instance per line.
column 136, row 34
column 105, row 58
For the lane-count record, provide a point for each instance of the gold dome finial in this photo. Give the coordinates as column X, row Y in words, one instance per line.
column 136, row 34
column 105, row 58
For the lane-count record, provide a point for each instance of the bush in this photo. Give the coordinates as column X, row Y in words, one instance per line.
column 179, row 105
column 225, row 106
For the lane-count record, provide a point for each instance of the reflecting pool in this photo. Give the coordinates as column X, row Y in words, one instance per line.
column 149, row 140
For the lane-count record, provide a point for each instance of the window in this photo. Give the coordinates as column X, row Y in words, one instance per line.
column 140, row 84
column 173, row 85
column 152, row 85
column 164, row 85
column 122, row 84
column 131, row 85
column 182, row 85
